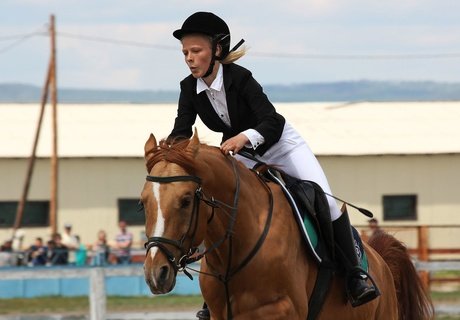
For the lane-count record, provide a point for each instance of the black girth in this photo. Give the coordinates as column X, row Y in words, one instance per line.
column 186, row 253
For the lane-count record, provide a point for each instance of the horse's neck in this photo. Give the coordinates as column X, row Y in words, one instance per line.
column 220, row 183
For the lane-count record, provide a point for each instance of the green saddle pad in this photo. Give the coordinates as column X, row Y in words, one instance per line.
column 313, row 241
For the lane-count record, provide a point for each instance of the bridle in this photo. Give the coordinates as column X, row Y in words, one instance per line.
column 190, row 255
column 161, row 242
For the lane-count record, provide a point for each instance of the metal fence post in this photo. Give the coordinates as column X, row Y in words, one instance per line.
column 97, row 295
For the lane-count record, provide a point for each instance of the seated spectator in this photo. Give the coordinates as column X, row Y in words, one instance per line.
column 6, row 254
column 58, row 254
column 37, row 253
column 80, row 253
column 124, row 241
column 100, row 250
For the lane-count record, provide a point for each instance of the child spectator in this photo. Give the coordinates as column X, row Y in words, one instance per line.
column 100, row 250
column 80, row 253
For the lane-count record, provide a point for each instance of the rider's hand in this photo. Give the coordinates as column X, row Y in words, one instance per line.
column 234, row 144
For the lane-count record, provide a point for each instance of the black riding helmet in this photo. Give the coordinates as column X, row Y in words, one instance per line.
column 209, row 24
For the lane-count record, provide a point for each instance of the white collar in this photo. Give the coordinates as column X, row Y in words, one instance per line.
column 217, row 84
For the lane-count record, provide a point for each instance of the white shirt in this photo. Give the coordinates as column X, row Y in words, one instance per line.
column 217, row 97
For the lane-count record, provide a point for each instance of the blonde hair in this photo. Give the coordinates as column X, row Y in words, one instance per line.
column 234, row 55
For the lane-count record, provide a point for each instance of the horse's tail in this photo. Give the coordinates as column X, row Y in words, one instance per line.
column 413, row 302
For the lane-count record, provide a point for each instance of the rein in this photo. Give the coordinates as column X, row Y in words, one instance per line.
column 189, row 255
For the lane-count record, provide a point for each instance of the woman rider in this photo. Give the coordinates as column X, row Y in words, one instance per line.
column 229, row 100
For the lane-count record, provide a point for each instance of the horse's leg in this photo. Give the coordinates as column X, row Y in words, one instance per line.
column 283, row 308
column 212, row 291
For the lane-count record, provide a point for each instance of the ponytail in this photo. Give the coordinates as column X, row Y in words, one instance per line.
column 234, row 55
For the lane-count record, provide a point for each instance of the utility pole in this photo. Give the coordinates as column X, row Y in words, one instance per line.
column 30, row 165
column 50, row 82
column 54, row 157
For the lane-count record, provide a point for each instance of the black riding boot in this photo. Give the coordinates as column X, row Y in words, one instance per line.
column 358, row 290
column 204, row 314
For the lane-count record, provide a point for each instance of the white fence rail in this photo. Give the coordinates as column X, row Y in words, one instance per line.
column 437, row 265
column 97, row 292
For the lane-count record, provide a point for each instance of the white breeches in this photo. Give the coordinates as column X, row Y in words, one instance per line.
column 301, row 163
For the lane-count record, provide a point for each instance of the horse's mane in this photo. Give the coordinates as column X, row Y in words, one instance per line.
column 174, row 151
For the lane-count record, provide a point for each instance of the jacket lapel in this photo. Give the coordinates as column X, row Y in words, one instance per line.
column 231, row 97
column 207, row 112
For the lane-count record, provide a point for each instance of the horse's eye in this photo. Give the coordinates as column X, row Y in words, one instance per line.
column 140, row 206
column 185, row 201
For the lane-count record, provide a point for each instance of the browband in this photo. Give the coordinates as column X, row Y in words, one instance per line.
column 173, row 179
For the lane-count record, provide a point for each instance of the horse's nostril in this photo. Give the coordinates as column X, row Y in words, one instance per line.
column 164, row 273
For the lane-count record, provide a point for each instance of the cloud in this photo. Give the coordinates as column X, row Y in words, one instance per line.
column 290, row 26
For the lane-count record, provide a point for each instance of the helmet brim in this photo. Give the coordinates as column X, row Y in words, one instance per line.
column 180, row 33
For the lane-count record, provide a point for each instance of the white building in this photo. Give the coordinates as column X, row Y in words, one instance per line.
column 399, row 160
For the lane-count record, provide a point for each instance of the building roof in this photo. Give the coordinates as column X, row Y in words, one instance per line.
column 120, row 130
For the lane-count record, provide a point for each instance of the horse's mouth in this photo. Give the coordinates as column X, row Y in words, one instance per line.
column 161, row 280
column 160, row 289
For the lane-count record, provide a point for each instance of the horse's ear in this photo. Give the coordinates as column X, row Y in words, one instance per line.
column 150, row 146
column 194, row 144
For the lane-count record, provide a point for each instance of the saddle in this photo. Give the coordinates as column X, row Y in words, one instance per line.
column 312, row 214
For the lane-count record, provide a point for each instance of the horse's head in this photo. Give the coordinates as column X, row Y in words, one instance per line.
column 172, row 210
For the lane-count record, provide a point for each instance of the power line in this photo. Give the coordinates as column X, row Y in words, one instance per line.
column 19, row 39
column 279, row 55
column 304, row 56
column 116, row 41
column 358, row 56
column 18, row 36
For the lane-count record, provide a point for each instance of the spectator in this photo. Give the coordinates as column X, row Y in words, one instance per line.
column 124, row 241
column 374, row 226
column 6, row 254
column 58, row 254
column 100, row 250
column 80, row 253
column 18, row 239
column 70, row 241
column 37, row 253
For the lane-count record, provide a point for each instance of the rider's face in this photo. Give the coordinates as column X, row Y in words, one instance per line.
column 197, row 53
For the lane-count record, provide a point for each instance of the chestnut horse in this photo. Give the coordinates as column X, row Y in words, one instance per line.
column 255, row 265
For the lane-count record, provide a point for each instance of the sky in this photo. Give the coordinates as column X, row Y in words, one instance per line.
column 121, row 44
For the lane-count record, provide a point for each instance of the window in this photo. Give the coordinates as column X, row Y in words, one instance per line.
column 400, row 207
column 128, row 210
column 36, row 214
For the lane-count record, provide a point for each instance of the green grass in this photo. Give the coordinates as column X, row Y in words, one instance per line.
column 447, row 296
column 80, row 305
column 114, row 304
column 446, row 274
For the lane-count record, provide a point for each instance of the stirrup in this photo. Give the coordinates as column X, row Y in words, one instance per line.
column 370, row 293
column 203, row 314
